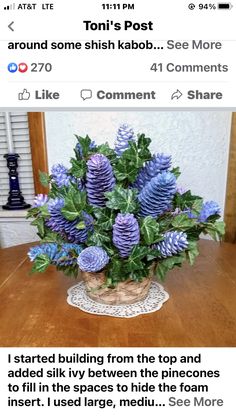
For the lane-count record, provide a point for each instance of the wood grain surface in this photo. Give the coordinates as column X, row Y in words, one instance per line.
column 201, row 310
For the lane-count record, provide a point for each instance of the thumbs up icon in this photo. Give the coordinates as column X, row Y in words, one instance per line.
column 25, row 95
column 12, row 67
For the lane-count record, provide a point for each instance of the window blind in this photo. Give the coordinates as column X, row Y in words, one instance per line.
column 20, row 133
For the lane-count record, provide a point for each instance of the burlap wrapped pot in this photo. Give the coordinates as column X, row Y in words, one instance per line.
column 127, row 292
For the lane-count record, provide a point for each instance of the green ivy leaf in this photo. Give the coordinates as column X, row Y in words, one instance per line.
column 75, row 203
column 161, row 271
column 69, row 211
column 44, row 178
column 32, row 212
column 140, row 274
column 154, row 253
column 56, row 192
column 197, row 206
column 105, row 217
column 165, row 223
column 52, row 237
column 150, row 230
column 115, row 271
column 194, row 233
column 192, row 252
column 176, row 172
column 132, row 154
column 220, row 228
column 213, row 218
column 44, row 211
column 85, row 145
column 135, row 259
column 98, row 238
column 128, row 165
column 133, row 265
column 165, row 265
column 109, row 249
column 78, row 168
column 41, row 263
column 215, row 230
column 125, row 170
column 81, row 225
column 182, row 222
column 143, row 150
column 143, row 142
column 122, row 199
column 71, row 270
column 39, row 223
column 107, row 151
column 188, row 201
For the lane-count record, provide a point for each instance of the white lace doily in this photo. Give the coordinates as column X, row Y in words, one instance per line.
column 78, row 297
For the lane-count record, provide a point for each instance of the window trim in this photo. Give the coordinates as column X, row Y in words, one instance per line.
column 38, row 147
column 230, row 199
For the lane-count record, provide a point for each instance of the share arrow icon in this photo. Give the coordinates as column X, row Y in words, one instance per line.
column 176, row 95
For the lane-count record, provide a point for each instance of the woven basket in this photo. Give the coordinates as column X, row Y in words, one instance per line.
column 127, row 292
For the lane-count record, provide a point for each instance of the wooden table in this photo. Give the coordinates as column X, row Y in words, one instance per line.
column 201, row 310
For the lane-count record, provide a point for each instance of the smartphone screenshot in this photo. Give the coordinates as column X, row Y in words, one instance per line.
column 117, row 208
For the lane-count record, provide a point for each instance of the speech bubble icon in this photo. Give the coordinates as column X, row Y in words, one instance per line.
column 86, row 94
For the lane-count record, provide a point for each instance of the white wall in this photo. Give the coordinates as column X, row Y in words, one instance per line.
column 15, row 229
column 198, row 141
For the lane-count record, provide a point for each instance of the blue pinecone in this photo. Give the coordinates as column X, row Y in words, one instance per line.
column 209, row 208
column 100, row 179
column 67, row 228
column 67, row 255
column 157, row 195
column 174, row 242
column 124, row 135
column 126, row 233
column 59, row 255
column 93, row 259
column 158, row 164
column 48, row 249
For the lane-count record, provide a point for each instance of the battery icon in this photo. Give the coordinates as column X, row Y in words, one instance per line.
column 224, row 6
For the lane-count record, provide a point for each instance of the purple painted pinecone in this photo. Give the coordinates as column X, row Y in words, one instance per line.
column 59, row 224
column 124, row 135
column 156, row 197
column 158, row 164
column 126, row 233
column 93, row 259
column 100, row 179
column 209, row 208
column 40, row 200
column 174, row 242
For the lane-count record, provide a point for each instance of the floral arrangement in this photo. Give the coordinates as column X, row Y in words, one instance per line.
column 119, row 211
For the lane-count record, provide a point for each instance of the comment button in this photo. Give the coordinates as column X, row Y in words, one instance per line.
column 86, row 94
